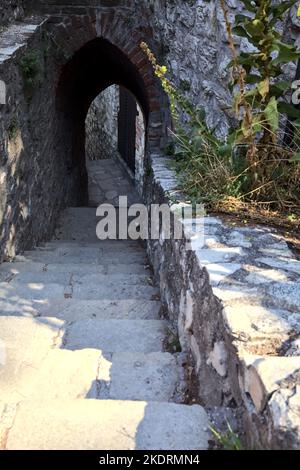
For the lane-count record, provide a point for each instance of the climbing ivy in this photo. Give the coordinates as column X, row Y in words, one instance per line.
column 31, row 69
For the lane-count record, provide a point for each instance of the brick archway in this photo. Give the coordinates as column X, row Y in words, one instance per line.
column 78, row 52
column 102, row 52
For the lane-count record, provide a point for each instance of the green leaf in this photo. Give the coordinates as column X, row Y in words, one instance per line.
column 295, row 158
column 257, row 123
column 255, row 28
column 231, row 87
column 230, row 64
column 279, row 88
column 241, row 19
column 279, row 10
column 283, row 85
column 249, row 5
column 271, row 114
column 288, row 109
column 240, row 31
column 252, row 78
column 296, row 123
column 225, row 150
column 286, row 53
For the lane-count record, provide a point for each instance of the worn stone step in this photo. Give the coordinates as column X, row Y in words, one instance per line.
column 70, row 310
column 30, row 360
column 59, row 374
column 29, row 293
column 115, row 247
column 103, row 244
column 79, row 224
column 25, row 342
column 138, row 376
column 143, row 336
column 17, row 291
column 111, row 290
column 45, row 276
column 84, row 255
column 88, row 373
column 107, row 425
column 7, row 270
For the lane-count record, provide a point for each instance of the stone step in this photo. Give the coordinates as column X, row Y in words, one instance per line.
column 60, row 374
column 44, row 276
column 88, row 373
column 145, row 336
column 25, row 342
column 79, row 224
column 85, row 255
column 113, row 291
column 71, row 310
column 16, row 291
column 104, row 244
column 8, row 269
column 107, row 425
column 138, row 376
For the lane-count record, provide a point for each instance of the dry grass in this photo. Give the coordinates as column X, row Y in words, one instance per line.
column 222, row 184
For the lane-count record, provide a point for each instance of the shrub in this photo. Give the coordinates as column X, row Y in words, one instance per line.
column 31, row 69
column 252, row 165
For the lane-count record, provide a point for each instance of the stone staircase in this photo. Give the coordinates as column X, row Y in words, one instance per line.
column 82, row 357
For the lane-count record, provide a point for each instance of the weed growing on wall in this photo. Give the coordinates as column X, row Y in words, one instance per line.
column 31, row 70
column 257, row 83
column 13, row 128
column 228, row 440
column 252, row 165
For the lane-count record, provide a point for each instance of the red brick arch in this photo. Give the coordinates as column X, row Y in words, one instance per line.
column 101, row 51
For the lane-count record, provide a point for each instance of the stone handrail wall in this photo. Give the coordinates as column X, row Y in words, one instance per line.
column 235, row 299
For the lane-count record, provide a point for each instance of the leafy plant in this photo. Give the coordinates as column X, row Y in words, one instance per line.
column 229, row 440
column 251, row 165
column 257, row 75
column 185, row 85
column 13, row 128
column 31, row 69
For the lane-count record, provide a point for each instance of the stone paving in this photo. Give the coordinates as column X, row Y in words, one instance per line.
column 108, row 180
column 82, row 358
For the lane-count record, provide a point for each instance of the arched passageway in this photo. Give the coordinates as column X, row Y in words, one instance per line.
column 93, row 68
column 79, row 56
column 114, row 146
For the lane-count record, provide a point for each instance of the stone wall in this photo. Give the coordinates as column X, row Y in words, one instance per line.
column 11, row 10
column 233, row 294
column 42, row 123
column 102, row 125
column 237, row 327
column 194, row 47
column 30, row 186
column 192, row 42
